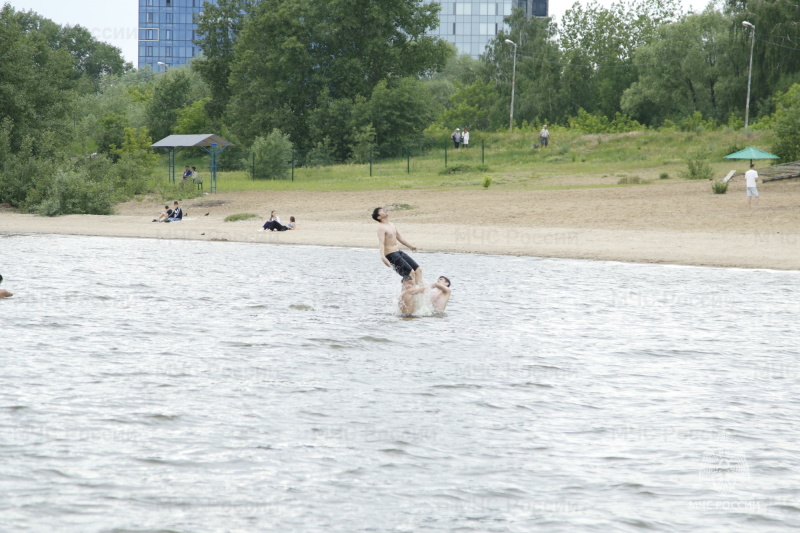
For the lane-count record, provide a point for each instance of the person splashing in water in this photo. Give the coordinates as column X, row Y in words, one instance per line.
column 388, row 238
column 4, row 293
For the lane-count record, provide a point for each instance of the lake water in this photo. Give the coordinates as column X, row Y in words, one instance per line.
column 156, row 385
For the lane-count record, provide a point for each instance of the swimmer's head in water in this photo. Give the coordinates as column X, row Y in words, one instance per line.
column 376, row 214
column 445, row 279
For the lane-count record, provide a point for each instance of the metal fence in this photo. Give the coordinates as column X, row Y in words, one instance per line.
column 385, row 160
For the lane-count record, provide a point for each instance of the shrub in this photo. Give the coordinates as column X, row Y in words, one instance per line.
column 632, row 180
column 240, row 216
column 786, row 124
column 719, row 187
column 321, row 155
column 663, row 176
column 73, row 193
column 697, row 167
column 487, row 180
column 273, row 155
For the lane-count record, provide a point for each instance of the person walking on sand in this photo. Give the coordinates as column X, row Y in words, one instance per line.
column 389, row 249
column 544, row 136
column 750, row 181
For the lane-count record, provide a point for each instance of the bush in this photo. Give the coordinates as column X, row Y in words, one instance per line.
column 273, row 155
column 697, row 167
column 663, row 176
column 487, row 180
column 719, row 187
column 74, row 193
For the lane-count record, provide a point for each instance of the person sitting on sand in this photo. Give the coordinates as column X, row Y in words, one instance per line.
column 273, row 219
column 4, row 293
column 177, row 213
column 440, row 294
column 165, row 215
column 273, row 225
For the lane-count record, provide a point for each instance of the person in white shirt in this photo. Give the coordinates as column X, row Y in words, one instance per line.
column 544, row 136
column 750, row 179
column 465, row 138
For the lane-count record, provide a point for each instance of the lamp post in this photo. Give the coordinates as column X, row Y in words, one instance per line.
column 162, row 64
column 749, row 72
column 513, row 84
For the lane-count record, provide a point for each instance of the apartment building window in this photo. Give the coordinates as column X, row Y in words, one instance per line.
column 148, row 18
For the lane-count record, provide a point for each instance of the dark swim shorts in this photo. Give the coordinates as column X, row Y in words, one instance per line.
column 402, row 263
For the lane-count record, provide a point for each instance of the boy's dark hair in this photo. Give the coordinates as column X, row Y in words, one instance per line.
column 447, row 280
column 291, row 219
column 375, row 214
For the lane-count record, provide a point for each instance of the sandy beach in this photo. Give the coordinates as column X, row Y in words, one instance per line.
column 672, row 222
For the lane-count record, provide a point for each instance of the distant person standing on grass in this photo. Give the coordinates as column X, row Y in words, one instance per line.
column 750, row 179
column 465, row 138
column 544, row 136
column 456, row 136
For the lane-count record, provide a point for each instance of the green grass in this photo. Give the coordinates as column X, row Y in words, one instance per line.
column 240, row 216
column 571, row 161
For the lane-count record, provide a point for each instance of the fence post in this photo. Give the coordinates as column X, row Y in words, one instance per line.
column 408, row 161
column 483, row 152
column 445, row 154
column 292, row 165
column 370, row 160
column 253, row 173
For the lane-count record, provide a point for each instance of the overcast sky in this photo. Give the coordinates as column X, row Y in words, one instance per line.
column 116, row 21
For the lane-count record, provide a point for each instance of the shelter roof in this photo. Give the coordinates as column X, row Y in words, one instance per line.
column 202, row 139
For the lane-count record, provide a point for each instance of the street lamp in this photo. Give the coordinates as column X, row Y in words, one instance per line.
column 513, row 84
column 162, row 64
column 749, row 72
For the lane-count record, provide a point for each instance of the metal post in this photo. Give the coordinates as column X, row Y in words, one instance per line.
column 445, row 154
column 408, row 161
column 749, row 72
column 483, row 152
column 370, row 160
column 513, row 85
column 253, row 173
column 292, row 165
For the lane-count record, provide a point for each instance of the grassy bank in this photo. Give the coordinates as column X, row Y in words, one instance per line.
column 571, row 161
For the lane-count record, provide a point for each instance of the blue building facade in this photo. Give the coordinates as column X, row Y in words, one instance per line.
column 167, row 27
column 167, row 31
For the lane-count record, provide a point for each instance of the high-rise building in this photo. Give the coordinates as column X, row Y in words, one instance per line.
column 167, row 27
column 167, row 31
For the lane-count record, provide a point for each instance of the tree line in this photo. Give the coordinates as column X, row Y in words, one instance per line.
column 333, row 78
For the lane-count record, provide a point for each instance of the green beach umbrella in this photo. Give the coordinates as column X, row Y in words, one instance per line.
column 751, row 153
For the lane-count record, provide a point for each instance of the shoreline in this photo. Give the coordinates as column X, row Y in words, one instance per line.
column 680, row 224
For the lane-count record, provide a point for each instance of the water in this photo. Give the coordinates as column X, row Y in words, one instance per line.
column 153, row 385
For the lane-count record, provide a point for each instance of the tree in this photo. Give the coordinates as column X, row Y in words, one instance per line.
column 218, row 28
column 686, row 69
column 173, row 90
column 786, row 124
column 470, row 106
column 329, row 51
column 37, row 89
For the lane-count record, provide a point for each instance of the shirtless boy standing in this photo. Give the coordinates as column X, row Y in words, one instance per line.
column 388, row 237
